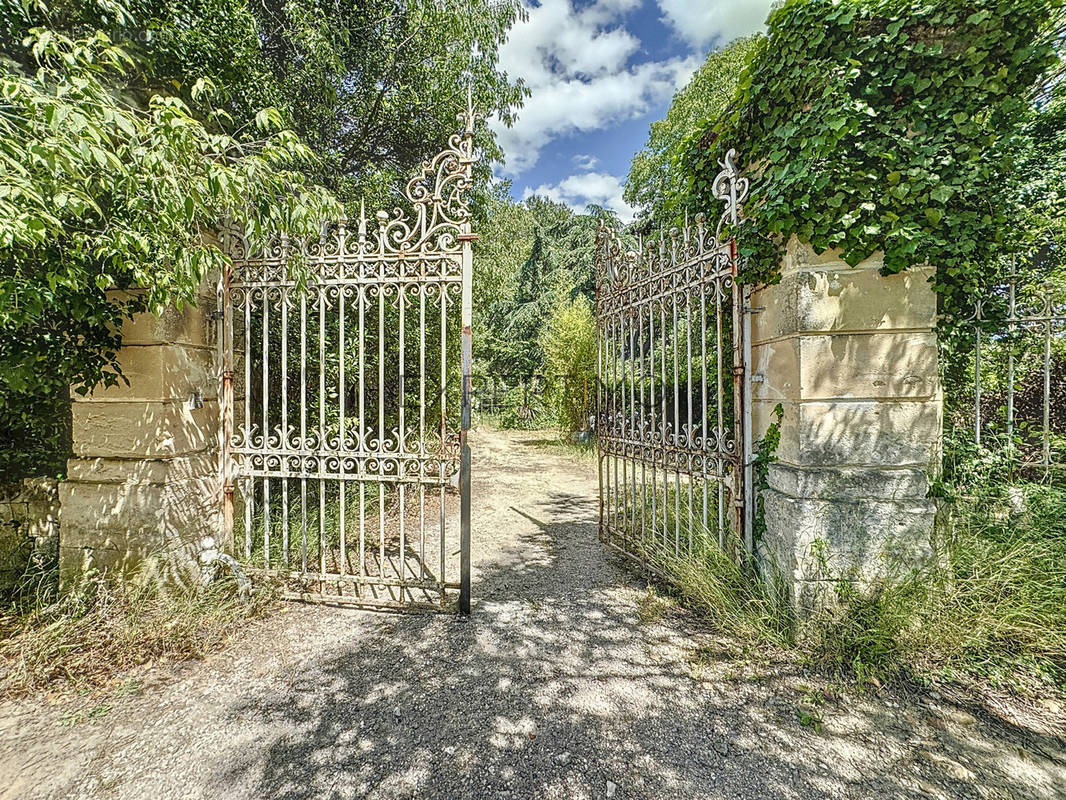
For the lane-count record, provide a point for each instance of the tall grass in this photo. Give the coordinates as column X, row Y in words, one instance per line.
column 99, row 628
column 667, row 530
column 729, row 593
column 991, row 608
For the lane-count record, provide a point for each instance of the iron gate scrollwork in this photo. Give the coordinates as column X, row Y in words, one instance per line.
column 673, row 419
column 346, row 396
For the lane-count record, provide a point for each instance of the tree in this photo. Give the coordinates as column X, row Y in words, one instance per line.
column 372, row 86
column 541, row 254
column 99, row 195
column 657, row 181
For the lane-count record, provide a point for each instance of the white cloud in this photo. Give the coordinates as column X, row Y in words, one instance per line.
column 576, row 65
column 578, row 191
column 585, row 161
column 701, row 22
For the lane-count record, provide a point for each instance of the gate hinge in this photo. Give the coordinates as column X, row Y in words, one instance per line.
column 754, row 309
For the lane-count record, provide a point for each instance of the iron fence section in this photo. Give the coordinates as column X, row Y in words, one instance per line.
column 673, row 426
column 346, row 396
column 1005, row 376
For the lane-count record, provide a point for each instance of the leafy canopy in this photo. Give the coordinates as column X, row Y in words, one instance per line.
column 884, row 125
column 97, row 195
column 372, row 86
column 532, row 257
column 656, row 182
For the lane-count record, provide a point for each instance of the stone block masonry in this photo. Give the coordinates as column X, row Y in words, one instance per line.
column 851, row 357
column 144, row 482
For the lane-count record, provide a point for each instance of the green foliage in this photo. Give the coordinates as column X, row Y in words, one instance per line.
column 372, row 86
column 713, row 580
column 104, row 211
column 656, row 181
column 884, row 125
column 90, row 634
column 993, row 609
column 530, row 258
column 569, row 344
column 523, row 408
column 765, row 450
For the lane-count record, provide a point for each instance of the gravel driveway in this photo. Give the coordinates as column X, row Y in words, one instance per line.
column 570, row 680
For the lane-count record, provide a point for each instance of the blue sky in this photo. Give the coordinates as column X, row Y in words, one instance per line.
column 601, row 71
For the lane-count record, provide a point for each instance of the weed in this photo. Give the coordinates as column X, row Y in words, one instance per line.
column 809, row 718
column 652, row 606
column 727, row 592
column 100, row 628
column 993, row 609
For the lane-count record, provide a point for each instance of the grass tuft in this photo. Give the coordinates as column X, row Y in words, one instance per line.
column 89, row 635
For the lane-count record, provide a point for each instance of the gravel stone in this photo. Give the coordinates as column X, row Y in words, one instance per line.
column 553, row 684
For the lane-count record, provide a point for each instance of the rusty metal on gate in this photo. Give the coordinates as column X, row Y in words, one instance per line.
column 673, row 415
column 346, row 398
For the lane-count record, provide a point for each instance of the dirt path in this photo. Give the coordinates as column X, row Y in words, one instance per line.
column 568, row 681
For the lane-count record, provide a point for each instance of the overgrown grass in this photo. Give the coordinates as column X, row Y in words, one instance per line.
column 729, row 593
column 89, row 635
column 992, row 609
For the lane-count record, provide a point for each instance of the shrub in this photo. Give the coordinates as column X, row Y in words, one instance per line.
column 569, row 344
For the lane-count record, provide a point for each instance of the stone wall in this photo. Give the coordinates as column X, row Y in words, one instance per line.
column 29, row 528
column 851, row 357
column 145, row 480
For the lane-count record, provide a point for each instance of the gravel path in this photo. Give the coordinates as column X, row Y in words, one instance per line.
column 570, row 680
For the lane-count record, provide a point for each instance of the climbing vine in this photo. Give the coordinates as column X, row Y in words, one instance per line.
column 883, row 125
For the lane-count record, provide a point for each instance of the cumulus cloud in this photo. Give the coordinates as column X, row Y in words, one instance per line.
column 704, row 22
column 585, row 161
column 578, row 191
column 576, row 64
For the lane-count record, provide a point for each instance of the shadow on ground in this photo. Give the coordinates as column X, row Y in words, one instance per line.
column 553, row 689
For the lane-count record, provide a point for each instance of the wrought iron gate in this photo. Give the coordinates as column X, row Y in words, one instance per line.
column 673, row 416
column 345, row 360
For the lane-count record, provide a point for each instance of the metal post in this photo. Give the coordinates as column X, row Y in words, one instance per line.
column 467, row 239
column 226, row 340
column 739, row 468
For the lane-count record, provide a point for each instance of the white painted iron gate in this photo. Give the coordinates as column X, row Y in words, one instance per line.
column 673, row 412
column 346, row 399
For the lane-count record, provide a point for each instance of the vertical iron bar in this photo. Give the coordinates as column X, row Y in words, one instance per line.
column 321, row 428
column 227, row 408
column 303, row 432
column 738, row 398
column 1010, row 362
column 266, row 426
column 285, row 426
column 464, row 427
column 977, row 386
column 342, row 397
column 1047, row 395
column 248, row 492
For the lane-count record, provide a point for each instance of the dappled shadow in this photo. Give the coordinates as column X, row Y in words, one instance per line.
column 553, row 688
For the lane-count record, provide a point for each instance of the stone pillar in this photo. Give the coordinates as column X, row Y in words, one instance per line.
column 144, row 481
column 851, row 357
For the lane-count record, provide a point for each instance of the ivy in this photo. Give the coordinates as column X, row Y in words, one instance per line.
column 883, row 125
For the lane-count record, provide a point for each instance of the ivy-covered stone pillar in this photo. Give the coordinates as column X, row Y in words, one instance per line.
column 850, row 355
column 144, row 481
